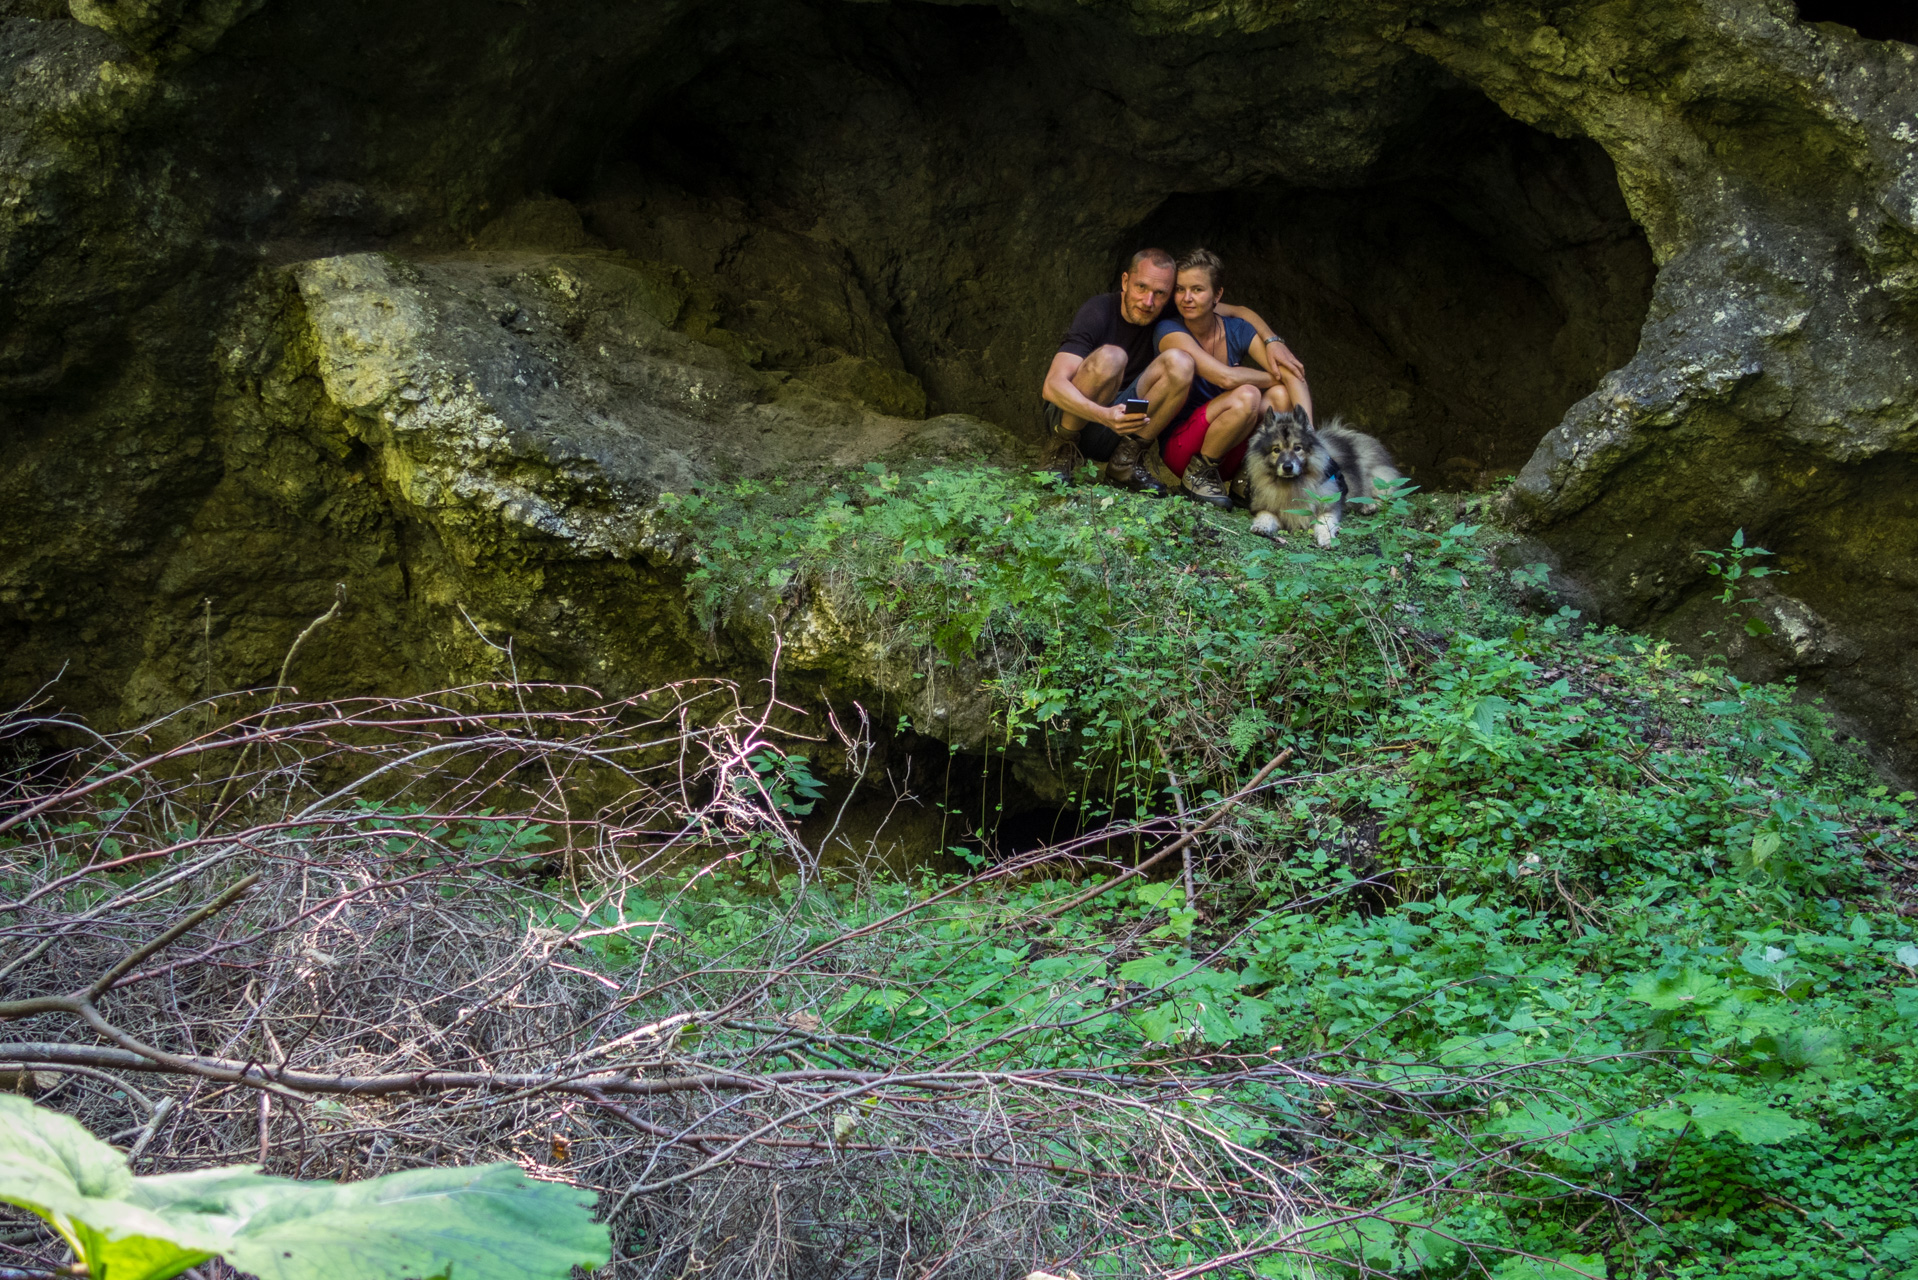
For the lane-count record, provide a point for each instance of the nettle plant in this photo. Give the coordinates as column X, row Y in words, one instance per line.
column 486, row 1223
column 1732, row 566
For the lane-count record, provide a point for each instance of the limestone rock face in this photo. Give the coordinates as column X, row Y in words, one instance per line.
column 475, row 445
column 437, row 299
column 168, row 27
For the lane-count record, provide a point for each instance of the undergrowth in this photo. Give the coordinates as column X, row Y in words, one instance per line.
column 1544, row 952
column 1521, row 840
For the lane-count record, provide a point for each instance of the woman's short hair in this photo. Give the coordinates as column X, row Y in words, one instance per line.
column 1207, row 261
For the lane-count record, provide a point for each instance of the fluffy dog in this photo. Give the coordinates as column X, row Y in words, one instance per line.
column 1300, row 478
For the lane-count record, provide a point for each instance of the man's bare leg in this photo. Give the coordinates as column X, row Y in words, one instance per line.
column 1165, row 384
column 1098, row 380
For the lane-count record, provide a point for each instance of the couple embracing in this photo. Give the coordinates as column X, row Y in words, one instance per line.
column 1195, row 376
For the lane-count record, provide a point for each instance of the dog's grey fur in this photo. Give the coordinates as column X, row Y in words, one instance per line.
column 1288, row 471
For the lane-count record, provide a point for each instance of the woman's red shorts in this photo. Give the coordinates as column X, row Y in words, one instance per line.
column 1184, row 438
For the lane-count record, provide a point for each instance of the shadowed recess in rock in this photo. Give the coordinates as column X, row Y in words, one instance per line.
column 1457, row 306
column 905, row 187
column 1873, row 19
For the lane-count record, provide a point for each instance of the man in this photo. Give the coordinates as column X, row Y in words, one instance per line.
column 1107, row 357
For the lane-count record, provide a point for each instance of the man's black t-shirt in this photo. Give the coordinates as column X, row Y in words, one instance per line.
column 1100, row 323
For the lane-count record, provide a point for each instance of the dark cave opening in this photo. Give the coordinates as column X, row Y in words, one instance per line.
column 1455, row 307
column 1873, row 19
column 935, row 189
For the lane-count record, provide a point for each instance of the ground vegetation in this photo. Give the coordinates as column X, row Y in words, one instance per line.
column 1397, row 922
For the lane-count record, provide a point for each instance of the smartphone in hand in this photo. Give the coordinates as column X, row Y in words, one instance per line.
column 1137, row 406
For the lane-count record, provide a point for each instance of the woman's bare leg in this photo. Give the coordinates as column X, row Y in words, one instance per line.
column 1279, row 399
column 1291, row 391
column 1229, row 420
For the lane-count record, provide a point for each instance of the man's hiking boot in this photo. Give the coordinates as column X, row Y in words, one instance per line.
column 1204, row 484
column 1061, row 457
column 1240, row 491
column 1126, row 468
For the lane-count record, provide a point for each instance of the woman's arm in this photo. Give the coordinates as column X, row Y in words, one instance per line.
column 1293, row 390
column 1262, row 353
column 1219, row 374
column 1281, row 352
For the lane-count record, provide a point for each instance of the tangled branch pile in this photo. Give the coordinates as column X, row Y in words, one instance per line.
column 343, row 939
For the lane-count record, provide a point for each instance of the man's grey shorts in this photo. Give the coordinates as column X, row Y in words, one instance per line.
column 1096, row 440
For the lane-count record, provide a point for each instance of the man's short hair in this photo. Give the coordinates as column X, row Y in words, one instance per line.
column 1207, row 261
column 1157, row 257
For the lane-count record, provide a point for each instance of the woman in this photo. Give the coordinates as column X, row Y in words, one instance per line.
column 1239, row 374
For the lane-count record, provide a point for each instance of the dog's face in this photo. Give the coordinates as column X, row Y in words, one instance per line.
column 1287, row 441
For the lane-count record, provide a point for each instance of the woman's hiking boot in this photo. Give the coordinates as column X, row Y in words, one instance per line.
column 1204, row 484
column 1126, row 468
column 1061, row 456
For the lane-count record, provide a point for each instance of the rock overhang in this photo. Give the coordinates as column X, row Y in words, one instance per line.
column 1768, row 161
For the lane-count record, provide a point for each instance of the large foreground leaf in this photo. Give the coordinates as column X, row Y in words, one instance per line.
column 50, row 1165
column 1715, row 1113
column 488, row 1223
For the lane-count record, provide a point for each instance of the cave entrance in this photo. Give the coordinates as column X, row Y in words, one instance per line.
column 1458, row 303
column 1873, row 19
column 933, row 189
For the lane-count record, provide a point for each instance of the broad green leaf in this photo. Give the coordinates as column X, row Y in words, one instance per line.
column 487, row 1223
column 1214, row 1024
column 1487, row 713
column 1428, row 1250
column 1668, row 1118
column 50, row 1165
column 1819, row 1050
column 1688, row 989
column 1154, row 971
column 1162, row 1024
column 1715, row 1113
column 1535, row 1122
column 1166, row 896
column 1371, row 1241
column 1749, row 1018
column 1565, row 1138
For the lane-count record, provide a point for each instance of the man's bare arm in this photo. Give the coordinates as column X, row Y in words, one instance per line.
column 1273, row 343
column 1059, row 390
column 1214, row 371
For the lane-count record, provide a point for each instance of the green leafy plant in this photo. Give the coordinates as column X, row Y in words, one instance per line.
column 786, row 779
column 1732, row 566
column 486, row 1223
